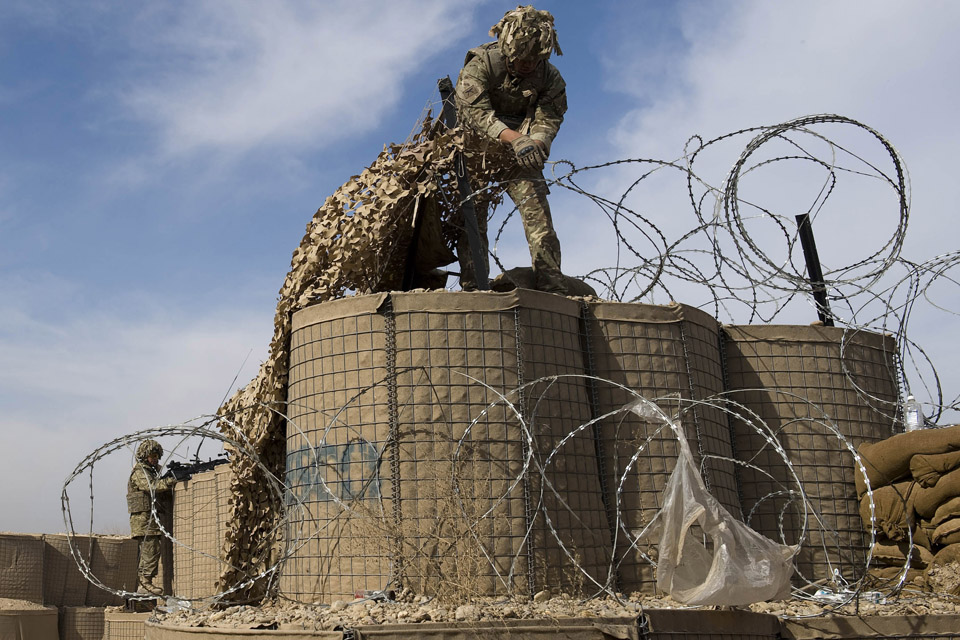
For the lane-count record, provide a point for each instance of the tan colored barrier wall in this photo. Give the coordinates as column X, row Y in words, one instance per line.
column 27, row 622
column 368, row 529
column 21, row 567
column 124, row 626
column 114, row 563
column 81, row 623
column 779, row 369
column 200, row 512
column 664, row 353
column 63, row 583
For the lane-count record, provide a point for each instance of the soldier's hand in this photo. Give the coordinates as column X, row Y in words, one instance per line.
column 529, row 153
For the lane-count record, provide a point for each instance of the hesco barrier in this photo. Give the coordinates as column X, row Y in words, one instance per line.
column 42, row 568
column 81, row 623
column 434, row 368
column 63, row 583
column 797, row 379
column 412, row 372
column 200, row 513
column 28, row 622
column 21, row 567
column 670, row 353
column 114, row 563
column 124, row 626
column 501, row 491
column 656, row 624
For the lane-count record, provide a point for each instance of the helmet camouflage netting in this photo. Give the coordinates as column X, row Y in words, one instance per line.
column 147, row 448
column 526, row 32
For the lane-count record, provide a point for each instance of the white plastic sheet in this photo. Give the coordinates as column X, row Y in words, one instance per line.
column 706, row 556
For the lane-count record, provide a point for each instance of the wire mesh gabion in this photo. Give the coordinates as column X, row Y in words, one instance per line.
column 808, row 384
column 422, row 480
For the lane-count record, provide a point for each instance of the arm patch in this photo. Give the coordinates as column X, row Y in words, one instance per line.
column 469, row 89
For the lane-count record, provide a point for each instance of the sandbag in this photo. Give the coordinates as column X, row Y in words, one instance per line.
column 922, row 534
column 927, row 501
column 525, row 278
column 890, row 553
column 948, row 532
column 892, row 510
column 950, row 553
column 889, row 460
column 927, row 469
column 947, row 510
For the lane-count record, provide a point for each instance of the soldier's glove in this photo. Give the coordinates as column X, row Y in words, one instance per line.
column 530, row 155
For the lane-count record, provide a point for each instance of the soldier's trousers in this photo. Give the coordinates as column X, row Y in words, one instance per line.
column 528, row 191
column 149, row 558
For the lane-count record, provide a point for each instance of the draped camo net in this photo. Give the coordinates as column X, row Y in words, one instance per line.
column 357, row 241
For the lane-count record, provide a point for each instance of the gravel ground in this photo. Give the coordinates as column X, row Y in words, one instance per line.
column 410, row 608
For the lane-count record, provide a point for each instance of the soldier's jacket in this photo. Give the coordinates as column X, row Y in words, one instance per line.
column 489, row 99
column 139, row 499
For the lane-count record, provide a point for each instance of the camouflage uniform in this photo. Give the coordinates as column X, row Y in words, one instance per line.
column 143, row 526
column 491, row 99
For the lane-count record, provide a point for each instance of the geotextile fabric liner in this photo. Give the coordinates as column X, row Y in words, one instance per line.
column 665, row 353
column 21, row 567
column 416, row 490
column 63, row 583
column 864, row 627
column 28, row 624
column 795, row 377
column 114, row 563
column 124, row 626
column 156, row 631
column 200, row 516
column 81, row 623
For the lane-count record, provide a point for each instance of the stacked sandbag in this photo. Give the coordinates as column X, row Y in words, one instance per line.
column 914, row 482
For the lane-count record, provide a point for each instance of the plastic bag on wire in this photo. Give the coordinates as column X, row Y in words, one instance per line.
column 705, row 555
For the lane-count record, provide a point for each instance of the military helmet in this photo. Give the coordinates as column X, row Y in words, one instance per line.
column 148, row 448
column 525, row 32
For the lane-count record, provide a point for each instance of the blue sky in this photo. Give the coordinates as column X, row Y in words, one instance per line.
column 159, row 162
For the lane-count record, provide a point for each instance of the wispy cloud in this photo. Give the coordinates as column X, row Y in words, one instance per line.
column 75, row 380
column 248, row 74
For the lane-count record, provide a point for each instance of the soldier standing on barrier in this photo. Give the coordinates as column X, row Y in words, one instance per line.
column 143, row 526
column 509, row 93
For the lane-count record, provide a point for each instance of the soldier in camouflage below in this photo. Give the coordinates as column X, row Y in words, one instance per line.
column 508, row 93
column 143, row 526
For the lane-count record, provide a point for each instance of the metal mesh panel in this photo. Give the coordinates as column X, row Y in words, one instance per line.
column 21, row 567
column 573, row 530
column 451, row 479
column 460, row 516
column 114, row 563
column 183, row 532
column 334, row 364
column 81, row 623
column 124, row 626
column 663, row 352
column 201, row 511
column 63, row 583
column 795, row 379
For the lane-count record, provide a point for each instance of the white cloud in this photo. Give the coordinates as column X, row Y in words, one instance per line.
column 249, row 73
column 886, row 64
column 73, row 383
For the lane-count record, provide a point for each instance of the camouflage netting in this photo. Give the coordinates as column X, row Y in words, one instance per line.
column 357, row 242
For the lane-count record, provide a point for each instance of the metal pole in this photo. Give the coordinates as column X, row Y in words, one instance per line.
column 814, row 274
column 481, row 267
